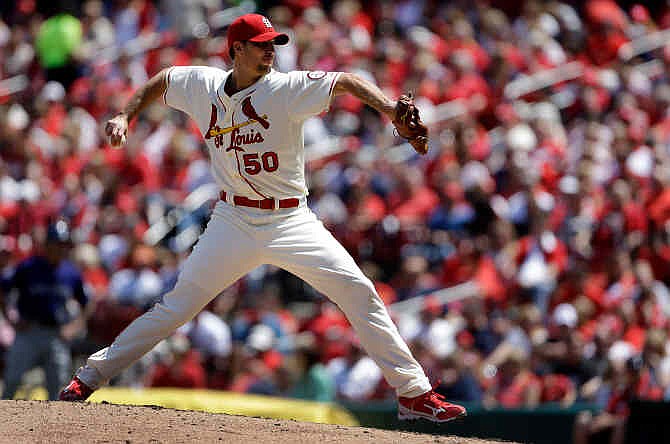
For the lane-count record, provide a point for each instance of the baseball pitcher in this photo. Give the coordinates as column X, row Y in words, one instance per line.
column 251, row 118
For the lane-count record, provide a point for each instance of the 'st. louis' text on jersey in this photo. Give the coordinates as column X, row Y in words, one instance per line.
column 255, row 136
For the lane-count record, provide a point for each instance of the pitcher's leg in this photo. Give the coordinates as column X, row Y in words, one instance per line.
column 223, row 254
column 178, row 306
column 309, row 251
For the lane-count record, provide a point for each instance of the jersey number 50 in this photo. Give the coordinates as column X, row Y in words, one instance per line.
column 269, row 161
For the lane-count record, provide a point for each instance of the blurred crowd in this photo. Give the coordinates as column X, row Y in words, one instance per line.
column 554, row 203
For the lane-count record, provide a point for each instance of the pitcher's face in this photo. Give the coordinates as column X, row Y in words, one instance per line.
column 258, row 56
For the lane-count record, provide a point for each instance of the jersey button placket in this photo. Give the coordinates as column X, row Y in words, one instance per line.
column 227, row 123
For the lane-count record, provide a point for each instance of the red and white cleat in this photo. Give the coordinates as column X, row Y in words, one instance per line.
column 431, row 406
column 75, row 391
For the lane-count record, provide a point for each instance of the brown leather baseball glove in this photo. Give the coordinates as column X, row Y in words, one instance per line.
column 409, row 125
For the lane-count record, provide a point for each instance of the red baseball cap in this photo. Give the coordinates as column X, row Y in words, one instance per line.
column 254, row 28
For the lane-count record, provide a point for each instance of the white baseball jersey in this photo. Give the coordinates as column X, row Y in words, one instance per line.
column 255, row 136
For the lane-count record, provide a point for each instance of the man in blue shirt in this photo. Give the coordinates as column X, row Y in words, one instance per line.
column 48, row 293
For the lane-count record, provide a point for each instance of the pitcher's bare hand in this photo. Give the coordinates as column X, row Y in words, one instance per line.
column 117, row 130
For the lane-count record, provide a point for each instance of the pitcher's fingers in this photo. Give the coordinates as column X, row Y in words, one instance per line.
column 112, row 124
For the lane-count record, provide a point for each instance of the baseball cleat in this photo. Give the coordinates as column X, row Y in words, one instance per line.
column 75, row 391
column 431, row 406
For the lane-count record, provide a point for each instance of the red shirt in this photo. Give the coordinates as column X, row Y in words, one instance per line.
column 555, row 388
column 417, row 207
column 466, row 87
column 513, row 394
column 646, row 388
column 489, row 280
column 187, row 372
column 659, row 210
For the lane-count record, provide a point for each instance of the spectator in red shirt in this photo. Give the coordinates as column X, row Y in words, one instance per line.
column 180, row 368
column 628, row 382
column 559, row 389
column 515, row 385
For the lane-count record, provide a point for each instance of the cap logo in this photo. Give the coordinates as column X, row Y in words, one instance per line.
column 267, row 23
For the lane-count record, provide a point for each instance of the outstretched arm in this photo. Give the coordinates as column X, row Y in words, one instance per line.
column 403, row 113
column 366, row 91
column 117, row 127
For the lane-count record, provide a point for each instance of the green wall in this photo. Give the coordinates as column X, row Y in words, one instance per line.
column 548, row 424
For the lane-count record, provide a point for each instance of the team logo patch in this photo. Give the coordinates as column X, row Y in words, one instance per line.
column 316, row 75
column 238, row 139
column 267, row 23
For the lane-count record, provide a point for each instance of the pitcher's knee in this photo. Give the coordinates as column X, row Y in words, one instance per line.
column 180, row 305
column 167, row 319
column 363, row 285
column 359, row 293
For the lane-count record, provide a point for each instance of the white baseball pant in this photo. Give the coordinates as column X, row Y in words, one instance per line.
column 236, row 241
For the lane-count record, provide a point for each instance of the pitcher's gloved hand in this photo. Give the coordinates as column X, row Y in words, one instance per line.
column 409, row 125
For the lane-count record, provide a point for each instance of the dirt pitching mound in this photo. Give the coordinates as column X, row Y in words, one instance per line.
column 63, row 422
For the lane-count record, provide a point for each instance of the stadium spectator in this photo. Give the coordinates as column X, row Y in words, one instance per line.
column 180, row 367
column 514, row 385
column 314, row 382
column 49, row 306
column 609, row 425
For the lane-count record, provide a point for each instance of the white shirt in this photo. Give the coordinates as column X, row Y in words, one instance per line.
column 358, row 382
column 210, row 334
column 255, row 136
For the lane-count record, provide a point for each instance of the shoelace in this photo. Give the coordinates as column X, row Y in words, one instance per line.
column 437, row 398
